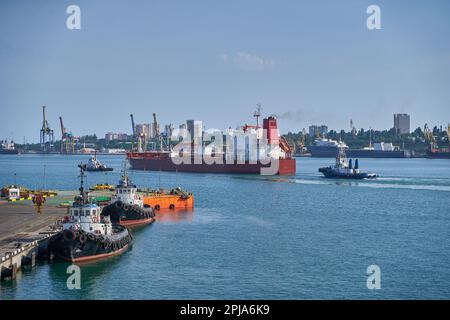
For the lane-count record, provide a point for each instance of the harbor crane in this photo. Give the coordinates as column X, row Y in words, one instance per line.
column 140, row 136
column 67, row 139
column 428, row 134
column 46, row 137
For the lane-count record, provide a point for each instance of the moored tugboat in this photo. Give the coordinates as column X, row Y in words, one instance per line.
column 87, row 235
column 343, row 169
column 95, row 165
column 127, row 207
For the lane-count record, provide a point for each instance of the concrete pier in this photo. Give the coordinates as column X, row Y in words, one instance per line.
column 23, row 232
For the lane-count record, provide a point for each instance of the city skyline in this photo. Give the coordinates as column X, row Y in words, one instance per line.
column 308, row 63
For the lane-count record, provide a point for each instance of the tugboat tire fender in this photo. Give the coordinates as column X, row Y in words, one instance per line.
column 126, row 207
column 118, row 204
column 69, row 235
column 82, row 238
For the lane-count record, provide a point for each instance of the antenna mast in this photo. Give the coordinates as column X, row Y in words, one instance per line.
column 257, row 114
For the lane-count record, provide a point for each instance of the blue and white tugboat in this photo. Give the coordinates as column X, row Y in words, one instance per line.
column 343, row 169
column 95, row 165
column 86, row 235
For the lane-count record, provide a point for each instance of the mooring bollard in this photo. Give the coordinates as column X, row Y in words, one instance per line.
column 29, row 260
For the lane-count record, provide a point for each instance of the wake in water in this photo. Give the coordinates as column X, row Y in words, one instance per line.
column 430, row 184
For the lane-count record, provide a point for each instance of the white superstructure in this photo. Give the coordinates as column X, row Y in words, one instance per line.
column 127, row 192
column 330, row 143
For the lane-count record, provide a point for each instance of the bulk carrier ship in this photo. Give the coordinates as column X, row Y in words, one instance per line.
column 280, row 155
column 327, row 148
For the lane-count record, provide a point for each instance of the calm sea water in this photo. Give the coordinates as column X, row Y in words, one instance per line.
column 255, row 237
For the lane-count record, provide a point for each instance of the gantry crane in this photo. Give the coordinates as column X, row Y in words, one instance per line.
column 46, row 136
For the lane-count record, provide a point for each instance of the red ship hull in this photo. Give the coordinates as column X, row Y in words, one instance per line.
column 155, row 161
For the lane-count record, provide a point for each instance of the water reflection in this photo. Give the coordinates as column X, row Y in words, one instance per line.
column 174, row 216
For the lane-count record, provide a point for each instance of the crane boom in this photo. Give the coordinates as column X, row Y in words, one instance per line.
column 155, row 125
column 44, row 120
column 63, row 130
column 132, row 125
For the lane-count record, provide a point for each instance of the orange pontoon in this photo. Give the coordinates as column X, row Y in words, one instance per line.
column 175, row 199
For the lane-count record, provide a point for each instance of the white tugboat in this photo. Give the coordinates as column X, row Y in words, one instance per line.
column 343, row 169
column 87, row 235
column 95, row 165
column 127, row 207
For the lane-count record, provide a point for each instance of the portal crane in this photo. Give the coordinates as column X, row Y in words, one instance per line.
column 428, row 134
column 67, row 139
column 46, row 137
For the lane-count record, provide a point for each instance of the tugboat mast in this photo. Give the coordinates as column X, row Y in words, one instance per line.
column 81, row 189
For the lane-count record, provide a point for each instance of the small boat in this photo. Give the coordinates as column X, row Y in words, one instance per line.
column 127, row 207
column 86, row 235
column 102, row 187
column 95, row 165
column 7, row 147
column 343, row 169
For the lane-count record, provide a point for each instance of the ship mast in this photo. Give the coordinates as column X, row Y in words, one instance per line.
column 83, row 194
column 257, row 114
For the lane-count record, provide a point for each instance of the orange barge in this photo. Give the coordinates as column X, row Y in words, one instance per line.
column 174, row 199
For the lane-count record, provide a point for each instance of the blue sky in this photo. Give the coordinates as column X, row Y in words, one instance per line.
column 305, row 61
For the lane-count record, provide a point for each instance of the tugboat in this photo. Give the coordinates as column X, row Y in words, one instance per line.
column 95, row 165
column 127, row 207
column 86, row 235
column 343, row 169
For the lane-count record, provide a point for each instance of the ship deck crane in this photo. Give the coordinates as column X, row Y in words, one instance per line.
column 141, row 137
column 157, row 132
column 133, row 126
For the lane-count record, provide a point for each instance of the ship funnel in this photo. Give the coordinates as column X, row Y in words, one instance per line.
column 350, row 164
column 356, row 164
